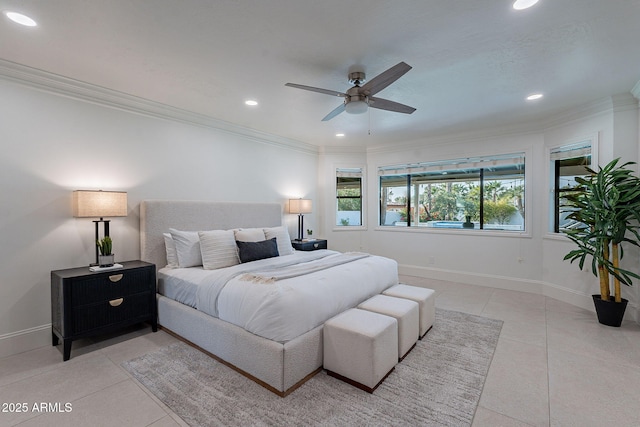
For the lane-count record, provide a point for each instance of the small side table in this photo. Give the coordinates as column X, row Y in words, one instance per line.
column 309, row 245
column 85, row 303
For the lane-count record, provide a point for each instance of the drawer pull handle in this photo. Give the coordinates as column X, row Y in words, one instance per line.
column 116, row 302
column 116, row 277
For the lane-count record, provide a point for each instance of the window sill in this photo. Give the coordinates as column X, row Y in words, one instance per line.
column 350, row 228
column 456, row 231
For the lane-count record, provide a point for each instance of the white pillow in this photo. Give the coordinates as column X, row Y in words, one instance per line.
column 187, row 248
column 282, row 238
column 249, row 234
column 170, row 247
column 218, row 248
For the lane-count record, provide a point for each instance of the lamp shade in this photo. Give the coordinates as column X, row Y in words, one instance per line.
column 99, row 204
column 299, row 206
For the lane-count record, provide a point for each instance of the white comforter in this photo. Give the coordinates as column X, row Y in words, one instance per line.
column 284, row 309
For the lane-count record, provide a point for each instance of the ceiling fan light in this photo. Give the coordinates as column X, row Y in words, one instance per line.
column 356, row 107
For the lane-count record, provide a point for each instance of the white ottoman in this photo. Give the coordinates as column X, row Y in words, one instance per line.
column 426, row 299
column 404, row 311
column 360, row 347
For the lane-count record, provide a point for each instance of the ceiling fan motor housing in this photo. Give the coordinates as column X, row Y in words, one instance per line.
column 357, row 78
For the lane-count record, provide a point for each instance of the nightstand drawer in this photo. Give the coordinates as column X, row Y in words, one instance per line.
column 109, row 312
column 108, row 286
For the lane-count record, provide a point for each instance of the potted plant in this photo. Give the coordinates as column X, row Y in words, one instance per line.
column 105, row 259
column 467, row 223
column 606, row 209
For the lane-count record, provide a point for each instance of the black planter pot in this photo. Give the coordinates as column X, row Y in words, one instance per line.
column 609, row 313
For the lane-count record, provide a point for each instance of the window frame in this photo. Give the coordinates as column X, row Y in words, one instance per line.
column 405, row 170
column 553, row 207
column 363, row 198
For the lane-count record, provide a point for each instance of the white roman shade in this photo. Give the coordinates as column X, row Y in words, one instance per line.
column 579, row 149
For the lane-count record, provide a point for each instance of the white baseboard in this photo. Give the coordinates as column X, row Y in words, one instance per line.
column 25, row 340
column 551, row 290
column 570, row 296
column 492, row 281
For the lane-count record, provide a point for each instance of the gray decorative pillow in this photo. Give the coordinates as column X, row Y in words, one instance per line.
column 253, row 251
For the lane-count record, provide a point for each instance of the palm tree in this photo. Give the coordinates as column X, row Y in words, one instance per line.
column 493, row 190
column 516, row 193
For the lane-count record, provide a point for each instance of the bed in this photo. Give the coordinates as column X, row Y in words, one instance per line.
column 262, row 321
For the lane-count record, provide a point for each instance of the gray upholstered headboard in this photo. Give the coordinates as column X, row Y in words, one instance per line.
column 157, row 216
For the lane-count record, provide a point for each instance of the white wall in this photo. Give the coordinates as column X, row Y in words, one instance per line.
column 530, row 261
column 52, row 145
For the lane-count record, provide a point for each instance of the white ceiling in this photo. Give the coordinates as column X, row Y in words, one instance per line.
column 474, row 61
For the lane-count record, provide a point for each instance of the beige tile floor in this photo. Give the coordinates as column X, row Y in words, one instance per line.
column 554, row 366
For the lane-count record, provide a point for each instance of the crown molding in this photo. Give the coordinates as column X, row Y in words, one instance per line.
column 624, row 102
column 78, row 90
column 458, row 138
column 615, row 103
column 579, row 112
column 340, row 149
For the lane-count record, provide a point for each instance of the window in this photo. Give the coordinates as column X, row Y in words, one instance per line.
column 567, row 163
column 474, row 193
column 349, row 197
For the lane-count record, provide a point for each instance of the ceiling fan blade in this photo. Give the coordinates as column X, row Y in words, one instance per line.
column 385, row 104
column 334, row 113
column 317, row 89
column 383, row 80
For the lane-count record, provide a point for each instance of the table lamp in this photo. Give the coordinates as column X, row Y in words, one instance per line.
column 99, row 204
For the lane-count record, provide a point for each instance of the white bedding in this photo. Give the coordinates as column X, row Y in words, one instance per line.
column 283, row 309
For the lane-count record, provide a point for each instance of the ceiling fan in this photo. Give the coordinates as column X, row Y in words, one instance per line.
column 359, row 98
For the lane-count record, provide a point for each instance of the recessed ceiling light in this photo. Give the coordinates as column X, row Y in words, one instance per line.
column 534, row 96
column 251, row 102
column 21, row 19
column 523, row 4
column 339, row 135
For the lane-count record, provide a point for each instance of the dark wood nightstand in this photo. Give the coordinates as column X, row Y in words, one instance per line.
column 309, row 245
column 85, row 303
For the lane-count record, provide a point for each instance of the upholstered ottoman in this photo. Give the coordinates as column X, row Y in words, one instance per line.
column 404, row 311
column 426, row 299
column 360, row 347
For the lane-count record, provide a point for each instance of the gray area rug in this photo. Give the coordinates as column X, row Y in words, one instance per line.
column 438, row 383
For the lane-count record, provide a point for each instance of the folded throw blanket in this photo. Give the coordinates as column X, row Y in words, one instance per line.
column 273, row 275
